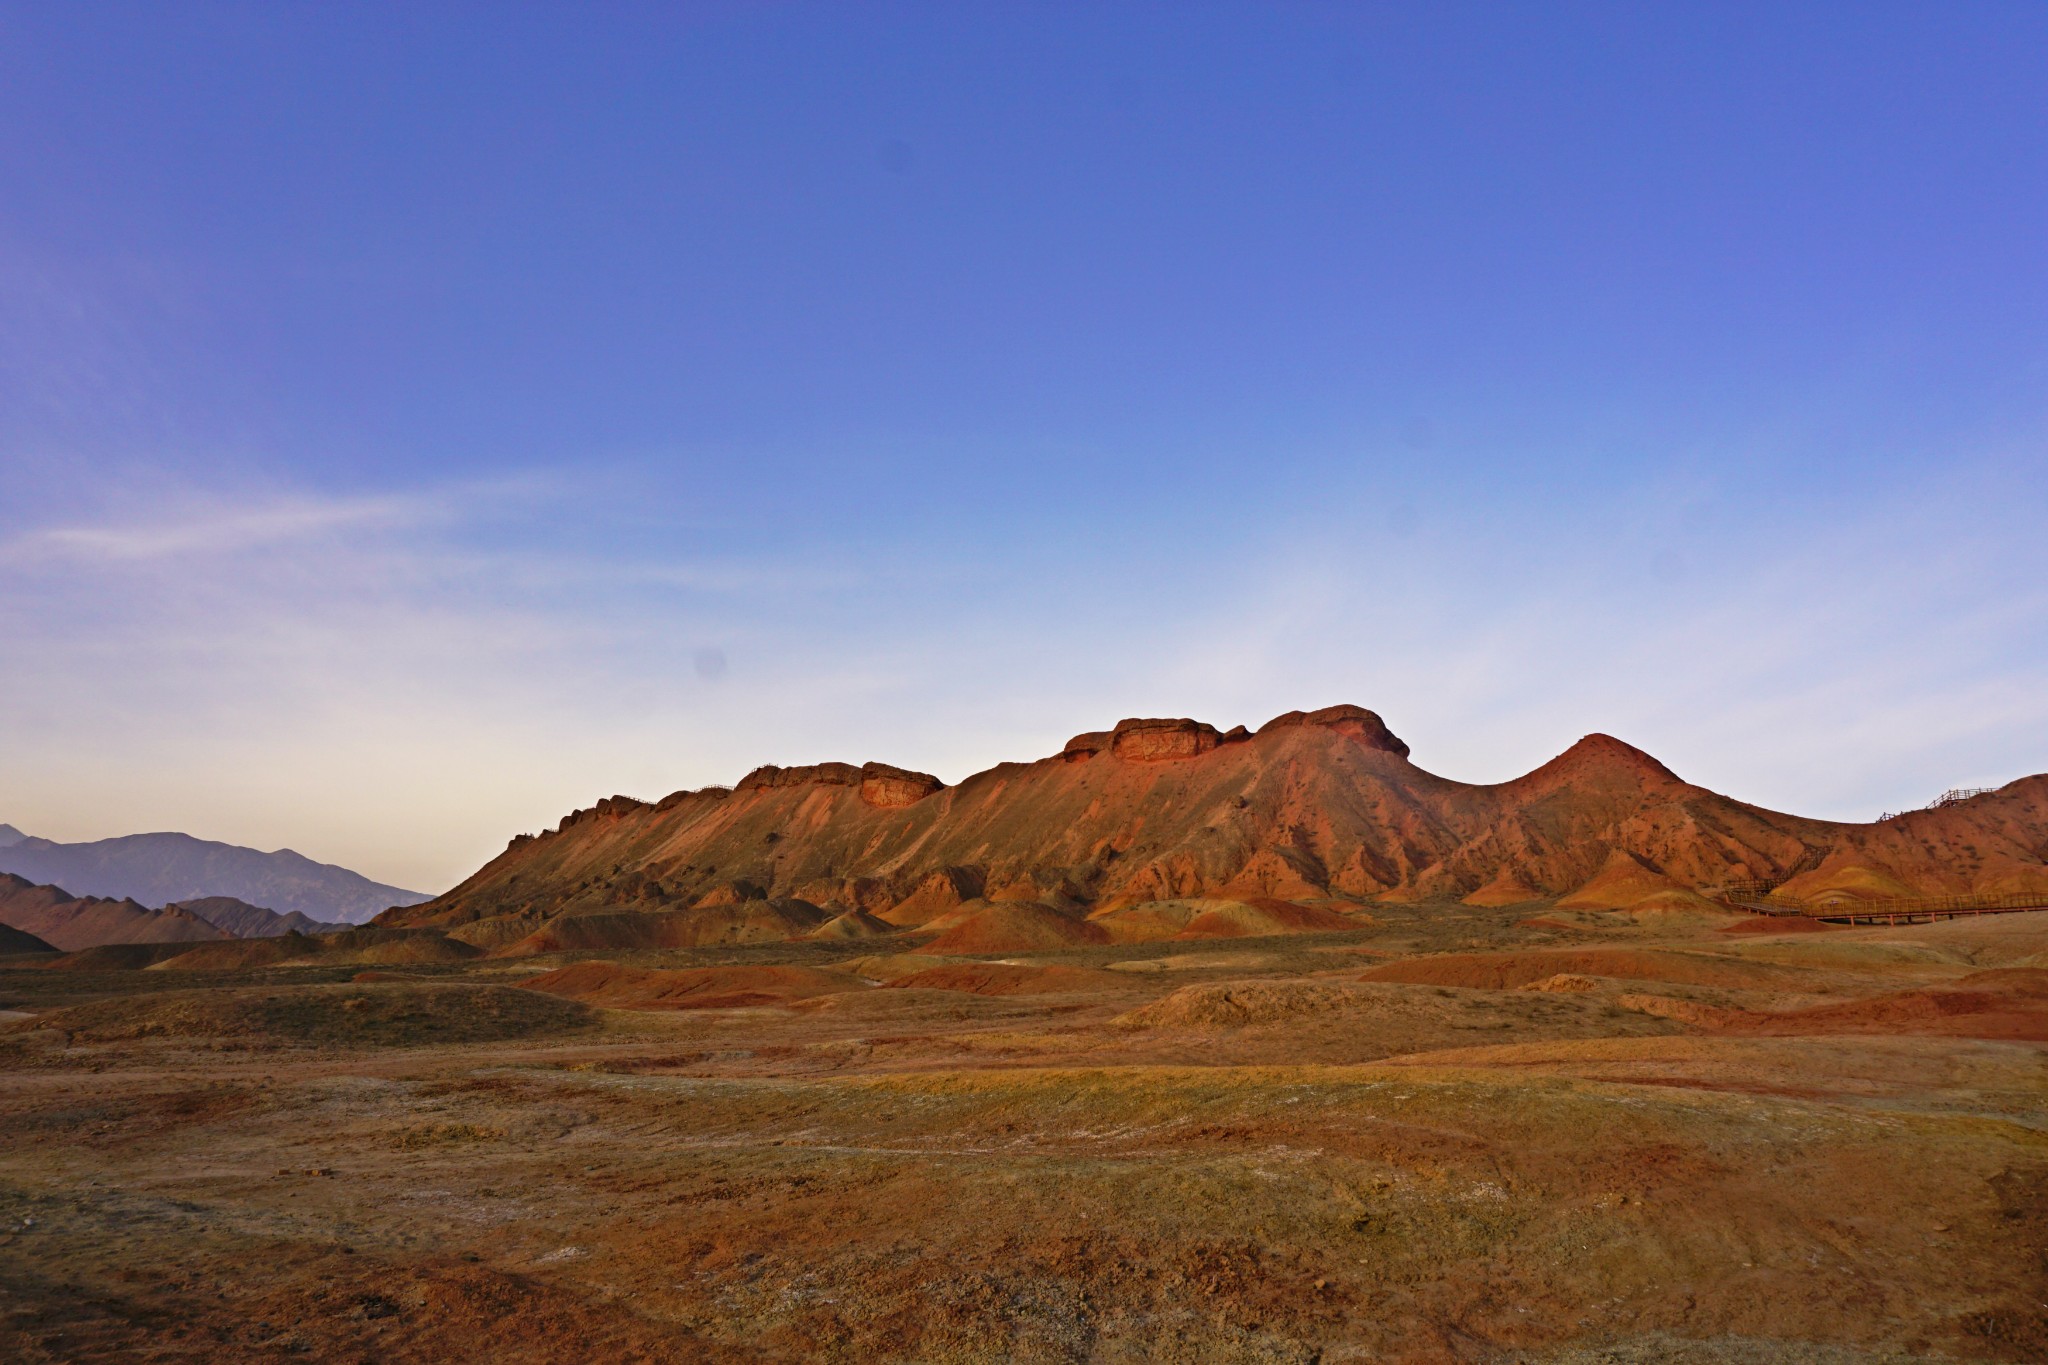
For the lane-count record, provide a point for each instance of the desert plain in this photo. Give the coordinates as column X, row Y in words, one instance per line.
column 1449, row 1133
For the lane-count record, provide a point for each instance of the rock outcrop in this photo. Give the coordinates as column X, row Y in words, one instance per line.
column 1355, row 721
column 890, row 788
column 1149, row 741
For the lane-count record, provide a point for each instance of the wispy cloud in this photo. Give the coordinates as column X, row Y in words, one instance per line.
column 263, row 667
column 221, row 531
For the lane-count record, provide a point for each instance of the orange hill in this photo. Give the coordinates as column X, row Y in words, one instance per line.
column 1323, row 806
column 70, row 922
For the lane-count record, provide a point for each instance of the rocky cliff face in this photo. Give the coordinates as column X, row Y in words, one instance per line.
column 1320, row 805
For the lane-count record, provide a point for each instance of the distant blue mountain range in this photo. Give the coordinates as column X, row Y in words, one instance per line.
column 158, row 869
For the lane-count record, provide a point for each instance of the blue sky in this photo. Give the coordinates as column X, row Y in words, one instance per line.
column 418, row 420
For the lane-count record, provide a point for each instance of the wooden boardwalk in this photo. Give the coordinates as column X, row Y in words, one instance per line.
column 1760, row 899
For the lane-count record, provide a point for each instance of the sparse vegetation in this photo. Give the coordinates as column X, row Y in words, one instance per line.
column 1207, row 1150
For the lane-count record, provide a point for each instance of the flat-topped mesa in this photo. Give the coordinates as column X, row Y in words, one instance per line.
column 809, row 775
column 1141, row 740
column 1150, row 740
column 880, row 784
column 1354, row 721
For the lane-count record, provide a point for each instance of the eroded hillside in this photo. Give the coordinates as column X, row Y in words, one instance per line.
column 1322, row 806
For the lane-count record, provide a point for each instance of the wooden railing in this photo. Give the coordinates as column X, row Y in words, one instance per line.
column 1761, row 898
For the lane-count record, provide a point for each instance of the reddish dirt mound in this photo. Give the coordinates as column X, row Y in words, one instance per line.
column 118, row 957
column 1508, row 887
column 497, row 931
column 1261, row 917
column 695, row 988
column 888, row 966
column 1622, row 881
column 1675, row 907
column 746, row 922
column 1207, row 918
column 412, row 950
column 944, row 889
column 1780, row 924
column 1509, row 971
column 1015, row 927
column 1149, row 922
column 1840, row 878
column 853, row 924
column 1664, row 911
column 370, row 947
column 242, row 954
column 1002, row 978
column 2009, row 1003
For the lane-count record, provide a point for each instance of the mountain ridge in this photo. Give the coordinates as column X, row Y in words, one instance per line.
column 166, row 867
column 1321, row 805
column 243, row 920
column 69, row 923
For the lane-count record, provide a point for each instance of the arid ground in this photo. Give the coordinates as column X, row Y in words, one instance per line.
column 1446, row 1133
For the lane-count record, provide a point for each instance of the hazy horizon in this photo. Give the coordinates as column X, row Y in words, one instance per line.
column 417, row 424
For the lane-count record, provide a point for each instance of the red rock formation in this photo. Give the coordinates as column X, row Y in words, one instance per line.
column 609, row 810
column 1086, row 745
column 894, row 788
column 730, row 893
column 1360, row 724
column 937, row 892
column 1320, row 805
column 1148, row 741
column 817, row 774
